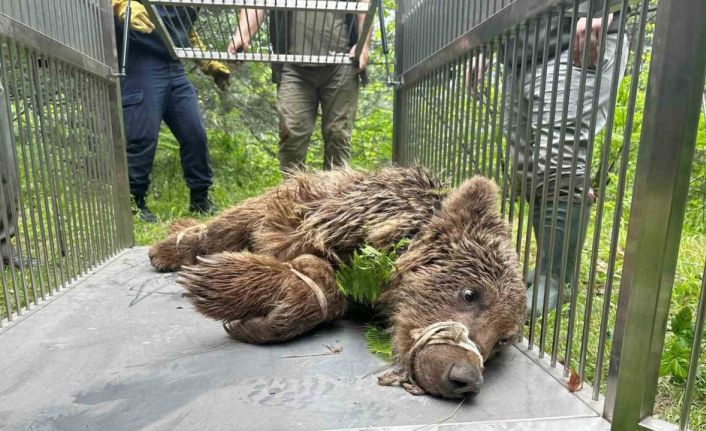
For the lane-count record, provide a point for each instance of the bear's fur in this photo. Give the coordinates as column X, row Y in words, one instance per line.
column 264, row 266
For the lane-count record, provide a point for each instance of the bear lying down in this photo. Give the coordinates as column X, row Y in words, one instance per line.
column 266, row 268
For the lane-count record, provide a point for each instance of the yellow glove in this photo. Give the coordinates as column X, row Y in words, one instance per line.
column 215, row 69
column 139, row 19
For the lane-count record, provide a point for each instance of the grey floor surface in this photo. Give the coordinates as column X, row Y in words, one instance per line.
column 122, row 350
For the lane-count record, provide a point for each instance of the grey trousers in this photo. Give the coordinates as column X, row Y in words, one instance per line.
column 301, row 90
column 555, row 157
column 8, row 180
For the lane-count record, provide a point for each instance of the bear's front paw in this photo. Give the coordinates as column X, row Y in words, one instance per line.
column 164, row 256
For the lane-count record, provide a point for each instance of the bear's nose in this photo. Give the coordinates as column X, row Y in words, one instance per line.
column 463, row 379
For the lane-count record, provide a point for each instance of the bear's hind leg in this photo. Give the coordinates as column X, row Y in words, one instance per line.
column 261, row 299
column 230, row 231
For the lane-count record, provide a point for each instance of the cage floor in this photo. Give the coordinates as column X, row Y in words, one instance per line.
column 123, row 350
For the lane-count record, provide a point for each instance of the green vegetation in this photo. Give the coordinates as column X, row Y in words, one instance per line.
column 369, row 270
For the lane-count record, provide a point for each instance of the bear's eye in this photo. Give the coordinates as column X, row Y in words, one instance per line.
column 468, row 295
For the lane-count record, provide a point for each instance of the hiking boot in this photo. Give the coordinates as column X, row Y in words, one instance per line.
column 11, row 257
column 142, row 210
column 574, row 242
column 200, row 202
column 553, row 294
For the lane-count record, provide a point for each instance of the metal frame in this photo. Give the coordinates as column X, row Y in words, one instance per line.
column 34, row 39
column 304, row 5
column 282, row 5
column 508, row 17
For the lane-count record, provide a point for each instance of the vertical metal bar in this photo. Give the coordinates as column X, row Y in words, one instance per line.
column 110, row 166
column 664, row 162
column 439, row 118
column 499, row 168
column 23, row 125
column 449, row 125
column 59, row 165
column 510, row 76
column 75, row 219
column 48, row 115
column 75, row 134
column 82, row 114
column 528, row 139
column 518, row 123
column 536, row 137
column 615, row 83
column 35, row 63
column 121, row 201
column 431, row 106
column 555, row 194
column 576, row 265
column 106, row 167
column 545, row 186
column 476, row 66
column 93, row 179
column 104, row 192
column 622, row 173
column 397, row 142
column 695, row 355
column 486, row 165
column 7, row 145
column 574, row 164
column 452, row 120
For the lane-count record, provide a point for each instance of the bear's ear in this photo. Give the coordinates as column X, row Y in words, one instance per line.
column 475, row 200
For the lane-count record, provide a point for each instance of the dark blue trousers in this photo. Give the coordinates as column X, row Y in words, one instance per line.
column 156, row 90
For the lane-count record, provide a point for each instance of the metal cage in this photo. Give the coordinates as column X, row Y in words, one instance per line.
column 480, row 91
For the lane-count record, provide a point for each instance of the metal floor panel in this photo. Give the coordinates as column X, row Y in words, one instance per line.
column 124, row 350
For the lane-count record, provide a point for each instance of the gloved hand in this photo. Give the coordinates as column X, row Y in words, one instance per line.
column 221, row 77
column 139, row 19
column 215, row 69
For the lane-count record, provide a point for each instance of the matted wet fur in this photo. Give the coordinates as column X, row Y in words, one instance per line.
column 263, row 267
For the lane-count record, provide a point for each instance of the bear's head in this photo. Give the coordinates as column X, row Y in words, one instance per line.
column 460, row 269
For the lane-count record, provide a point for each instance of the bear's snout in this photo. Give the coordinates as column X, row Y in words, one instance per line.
column 461, row 379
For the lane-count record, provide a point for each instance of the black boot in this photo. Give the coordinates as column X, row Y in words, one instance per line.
column 141, row 209
column 574, row 241
column 10, row 256
column 200, row 203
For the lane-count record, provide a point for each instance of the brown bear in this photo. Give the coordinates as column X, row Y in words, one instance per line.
column 266, row 267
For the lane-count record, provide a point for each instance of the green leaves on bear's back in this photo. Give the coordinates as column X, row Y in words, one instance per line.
column 368, row 271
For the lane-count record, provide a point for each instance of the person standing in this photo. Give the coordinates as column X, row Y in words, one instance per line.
column 8, row 190
column 301, row 88
column 556, row 151
column 156, row 88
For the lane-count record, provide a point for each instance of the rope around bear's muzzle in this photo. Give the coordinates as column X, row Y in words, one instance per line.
column 451, row 333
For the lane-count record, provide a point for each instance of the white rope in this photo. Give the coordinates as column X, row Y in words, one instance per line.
column 316, row 289
column 180, row 236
